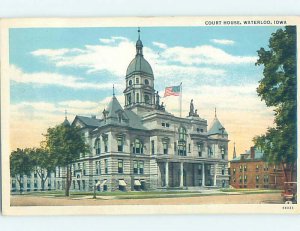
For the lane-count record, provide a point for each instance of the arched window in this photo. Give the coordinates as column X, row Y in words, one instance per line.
column 138, row 147
column 130, row 82
column 146, row 81
column 97, row 146
column 182, row 142
column 137, row 80
column 147, row 99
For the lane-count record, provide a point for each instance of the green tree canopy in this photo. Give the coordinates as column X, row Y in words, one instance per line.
column 43, row 163
column 278, row 88
column 20, row 164
column 65, row 143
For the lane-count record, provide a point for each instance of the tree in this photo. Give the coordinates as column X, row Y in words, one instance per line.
column 278, row 88
column 65, row 143
column 20, row 164
column 43, row 163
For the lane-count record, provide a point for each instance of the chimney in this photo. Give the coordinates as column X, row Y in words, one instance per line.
column 252, row 152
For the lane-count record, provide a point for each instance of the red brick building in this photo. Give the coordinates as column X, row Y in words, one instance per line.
column 250, row 171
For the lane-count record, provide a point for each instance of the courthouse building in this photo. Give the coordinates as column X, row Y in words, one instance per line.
column 141, row 146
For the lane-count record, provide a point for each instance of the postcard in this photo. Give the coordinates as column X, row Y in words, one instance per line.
column 149, row 115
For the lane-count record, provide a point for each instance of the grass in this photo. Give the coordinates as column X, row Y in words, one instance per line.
column 150, row 194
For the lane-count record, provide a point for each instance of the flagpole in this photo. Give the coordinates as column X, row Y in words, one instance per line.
column 180, row 100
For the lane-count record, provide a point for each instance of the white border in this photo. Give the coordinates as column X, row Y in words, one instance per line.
column 115, row 209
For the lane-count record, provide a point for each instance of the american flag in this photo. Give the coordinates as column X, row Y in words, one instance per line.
column 174, row 90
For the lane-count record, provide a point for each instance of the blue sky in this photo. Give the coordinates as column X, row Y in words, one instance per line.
column 53, row 69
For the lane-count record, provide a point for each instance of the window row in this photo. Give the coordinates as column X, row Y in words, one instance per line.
column 138, row 167
column 137, row 81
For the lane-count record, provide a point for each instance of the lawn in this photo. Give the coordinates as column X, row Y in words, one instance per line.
column 151, row 194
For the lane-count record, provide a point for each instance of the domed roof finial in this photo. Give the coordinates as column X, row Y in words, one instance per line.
column 139, row 44
column 66, row 122
column 113, row 90
column 215, row 112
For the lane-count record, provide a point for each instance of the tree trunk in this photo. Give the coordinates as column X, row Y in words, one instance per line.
column 68, row 181
column 43, row 184
column 19, row 181
column 285, row 173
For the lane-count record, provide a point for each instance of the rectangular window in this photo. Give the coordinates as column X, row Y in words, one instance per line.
column 175, row 147
column 208, row 169
column 245, row 179
column 200, row 169
column 135, row 167
column 257, row 179
column 234, row 170
column 200, row 149
column 257, row 168
column 245, row 168
column 223, row 171
column 152, row 147
column 83, row 184
column 120, row 166
column 223, row 153
column 105, row 145
column 210, row 151
column 165, row 147
column 28, row 183
column 241, row 179
column 13, row 183
column 167, row 125
column 163, row 124
column 141, row 167
column 241, row 168
column 84, row 170
column 120, row 144
column 106, row 166
column 189, row 148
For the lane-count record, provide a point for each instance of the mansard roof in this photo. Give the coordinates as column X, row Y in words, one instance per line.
column 258, row 155
column 216, row 128
column 88, row 121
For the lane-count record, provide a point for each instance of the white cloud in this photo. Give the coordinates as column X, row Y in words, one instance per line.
column 115, row 54
column 160, row 45
column 113, row 39
column 44, row 78
column 223, row 41
column 204, row 55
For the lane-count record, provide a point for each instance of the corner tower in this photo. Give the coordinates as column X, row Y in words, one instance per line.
column 139, row 91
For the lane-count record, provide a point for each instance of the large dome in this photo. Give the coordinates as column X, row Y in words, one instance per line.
column 139, row 64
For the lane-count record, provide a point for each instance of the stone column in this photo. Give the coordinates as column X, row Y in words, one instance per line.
column 167, row 174
column 203, row 174
column 181, row 174
column 215, row 175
